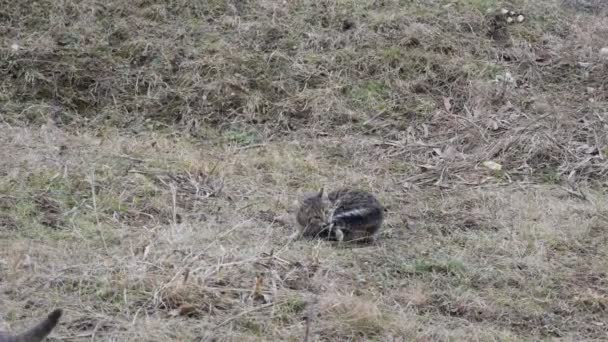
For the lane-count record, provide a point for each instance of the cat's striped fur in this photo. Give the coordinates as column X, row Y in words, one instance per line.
column 345, row 214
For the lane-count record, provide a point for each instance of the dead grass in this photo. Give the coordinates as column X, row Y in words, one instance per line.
column 439, row 76
column 475, row 262
column 152, row 152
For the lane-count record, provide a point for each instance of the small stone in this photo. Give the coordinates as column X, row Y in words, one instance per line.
column 15, row 47
column 509, row 20
column 604, row 53
column 520, row 18
column 504, row 11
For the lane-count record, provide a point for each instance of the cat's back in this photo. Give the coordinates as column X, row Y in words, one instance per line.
column 357, row 209
column 352, row 199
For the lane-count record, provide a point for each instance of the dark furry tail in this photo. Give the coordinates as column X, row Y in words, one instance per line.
column 40, row 331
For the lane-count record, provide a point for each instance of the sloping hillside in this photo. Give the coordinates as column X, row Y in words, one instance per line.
column 152, row 153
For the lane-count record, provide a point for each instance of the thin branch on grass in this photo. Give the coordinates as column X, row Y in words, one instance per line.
column 249, row 147
column 257, row 308
column 308, row 318
column 96, row 212
column 379, row 114
column 173, row 203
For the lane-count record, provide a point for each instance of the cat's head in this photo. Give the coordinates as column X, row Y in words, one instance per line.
column 314, row 210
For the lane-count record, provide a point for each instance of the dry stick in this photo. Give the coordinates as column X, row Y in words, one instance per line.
column 307, row 332
column 479, row 128
column 248, row 147
column 128, row 158
column 374, row 117
column 308, row 322
column 174, row 204
column 580, row 195
column 309, row 316
column 243, row 313
column 515, row 136
column 92, row 182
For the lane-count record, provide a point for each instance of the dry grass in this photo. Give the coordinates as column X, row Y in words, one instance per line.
column 152, row 152
column 154, row 259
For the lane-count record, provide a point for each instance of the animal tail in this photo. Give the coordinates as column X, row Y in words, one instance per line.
column 41, row 330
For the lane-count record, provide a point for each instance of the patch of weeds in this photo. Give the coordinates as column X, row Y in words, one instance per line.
column 433, row 66
column 552, row 21
column 424, row 105
column 295, row 304
column 33, row 216
column 313, row 59
column 66, row 190
column 91, row 231
column 44, row 180
column 110, row 204
column 400, row 167
column 241, row 137
column 24, row 210
column 288, row 310
column 550, row 176
column 451, row 267
column 391, row 54
column 205, row 132
column 499, row 174
column 45, row 199
column 482, row 70
column 530, row 36
column 422, row 266
column 370, row 95
column 107, row 294
column 290, row 41
column 480, row 5
column 338, row 154
column 353, row 316
column 592, row 301
column 252, row 326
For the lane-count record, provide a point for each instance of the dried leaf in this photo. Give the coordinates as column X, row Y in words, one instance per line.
column 258, row 295
column 447, row 103
column 492, row 165
column 146, row 252
column 184, row 310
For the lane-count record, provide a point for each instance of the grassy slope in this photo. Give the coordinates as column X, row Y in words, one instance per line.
column 152, row 153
